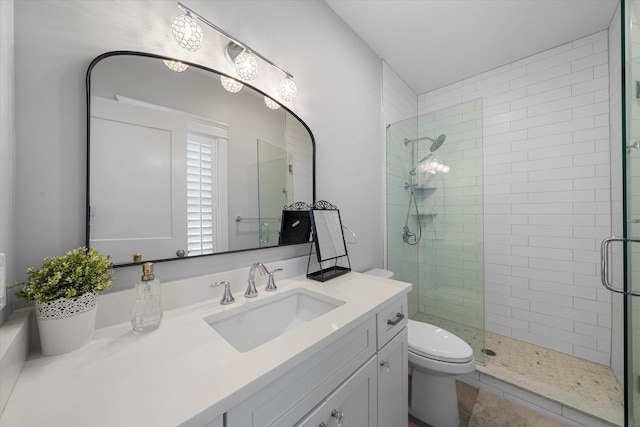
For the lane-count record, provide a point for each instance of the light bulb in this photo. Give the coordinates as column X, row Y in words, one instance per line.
column 433, row 164
column 246, row 65
column 231, row 85
column 287, row 89
column 271, row 103
column 187, row 32
column 440, row 167
column 446, row 169
column 176, row 66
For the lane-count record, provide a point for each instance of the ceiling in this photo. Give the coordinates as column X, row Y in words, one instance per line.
column 432, row 43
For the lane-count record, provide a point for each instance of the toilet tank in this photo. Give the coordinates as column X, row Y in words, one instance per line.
column 379, row 272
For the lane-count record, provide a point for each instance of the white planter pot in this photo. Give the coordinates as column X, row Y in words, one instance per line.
column 66, row 325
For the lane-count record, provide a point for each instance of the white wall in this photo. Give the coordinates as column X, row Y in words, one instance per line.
column 338, row 78
column 7, row 142
column 547, row 196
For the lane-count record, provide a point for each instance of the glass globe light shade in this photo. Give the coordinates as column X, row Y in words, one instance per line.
column 446, row 169
column 271, row 103
column 246, row 65
column 176, row 66
column 187, row 32
column 287, row 89
column 231, row 85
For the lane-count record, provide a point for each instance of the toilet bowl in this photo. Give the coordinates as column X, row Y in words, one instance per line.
column 436, row 357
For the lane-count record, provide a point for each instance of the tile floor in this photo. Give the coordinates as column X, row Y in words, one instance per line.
column 577, row 383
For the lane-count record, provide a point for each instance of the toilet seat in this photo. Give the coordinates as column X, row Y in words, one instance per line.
column 438, row 344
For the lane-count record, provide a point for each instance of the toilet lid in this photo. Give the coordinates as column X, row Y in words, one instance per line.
column 436, row 343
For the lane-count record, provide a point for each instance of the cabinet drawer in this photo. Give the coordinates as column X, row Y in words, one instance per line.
column 391, row 319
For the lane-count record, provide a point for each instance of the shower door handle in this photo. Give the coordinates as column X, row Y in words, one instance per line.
column 604, row 264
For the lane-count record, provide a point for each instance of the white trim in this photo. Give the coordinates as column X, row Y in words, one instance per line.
column 197, row 119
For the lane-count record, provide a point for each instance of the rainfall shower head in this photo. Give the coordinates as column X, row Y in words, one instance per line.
column 436, row 143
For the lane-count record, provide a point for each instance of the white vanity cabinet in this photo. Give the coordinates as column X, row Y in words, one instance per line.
column 353, row 403
column 393, row 387
column 361, row 377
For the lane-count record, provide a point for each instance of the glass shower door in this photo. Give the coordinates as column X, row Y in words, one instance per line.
column 435, row 235
column 631, row 205
column 274, row 181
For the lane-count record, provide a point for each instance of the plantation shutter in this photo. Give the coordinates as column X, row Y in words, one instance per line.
column 202, row 194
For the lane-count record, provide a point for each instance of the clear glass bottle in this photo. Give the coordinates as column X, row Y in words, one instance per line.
column 147, row 311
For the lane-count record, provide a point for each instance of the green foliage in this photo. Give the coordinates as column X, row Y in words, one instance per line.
column 69, row 276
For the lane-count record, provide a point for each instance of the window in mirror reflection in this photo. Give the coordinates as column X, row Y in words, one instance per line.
column 205, row 190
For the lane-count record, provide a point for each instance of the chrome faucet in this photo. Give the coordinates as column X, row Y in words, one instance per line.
column 227, row 298
column 271, row 284
column 251, row 291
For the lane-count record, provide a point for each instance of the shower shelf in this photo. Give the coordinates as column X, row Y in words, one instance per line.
column 425, row 188
column 425, row 214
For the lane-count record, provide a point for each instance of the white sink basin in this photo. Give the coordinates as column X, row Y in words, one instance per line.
column 256, row 323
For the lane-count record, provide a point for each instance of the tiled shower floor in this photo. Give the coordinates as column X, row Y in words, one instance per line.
column 577, row 383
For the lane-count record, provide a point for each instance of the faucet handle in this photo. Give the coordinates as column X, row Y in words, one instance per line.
column 227, row 298
column 271, row 284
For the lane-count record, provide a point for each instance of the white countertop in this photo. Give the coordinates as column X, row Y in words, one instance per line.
column 184, row 372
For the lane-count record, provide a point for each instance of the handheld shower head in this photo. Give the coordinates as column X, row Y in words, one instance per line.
column 420, row 162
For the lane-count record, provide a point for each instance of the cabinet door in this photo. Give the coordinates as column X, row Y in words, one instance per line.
column 353, row 404
column 393, row 372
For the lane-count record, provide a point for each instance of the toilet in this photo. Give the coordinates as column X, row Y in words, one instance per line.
column 436, row 357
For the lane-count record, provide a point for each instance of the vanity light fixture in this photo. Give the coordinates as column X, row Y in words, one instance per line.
column 176, row 66
column 231, row 85
column 435, row 166
column 271, row 103
column 287, row 89
column 190, row 36
column 246, row 65
column 187, row 32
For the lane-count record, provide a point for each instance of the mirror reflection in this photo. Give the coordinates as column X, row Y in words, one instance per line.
column 328, row 236
column 329, row 242
column 178, row 166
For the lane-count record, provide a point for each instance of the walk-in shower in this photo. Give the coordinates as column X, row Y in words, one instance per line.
column 436, row 225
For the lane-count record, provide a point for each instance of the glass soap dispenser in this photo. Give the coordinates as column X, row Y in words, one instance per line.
column 147, row 311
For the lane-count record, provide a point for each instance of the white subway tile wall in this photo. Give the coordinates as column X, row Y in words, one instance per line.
column 546, row 195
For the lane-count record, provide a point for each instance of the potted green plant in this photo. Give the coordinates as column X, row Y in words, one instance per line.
column 65, row 292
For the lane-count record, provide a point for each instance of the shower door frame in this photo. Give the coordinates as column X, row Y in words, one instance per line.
column 630, row 210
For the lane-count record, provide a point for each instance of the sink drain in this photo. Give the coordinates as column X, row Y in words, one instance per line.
column 488, row 352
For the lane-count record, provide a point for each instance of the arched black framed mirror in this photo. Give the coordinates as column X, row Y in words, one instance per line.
column 178, row 167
